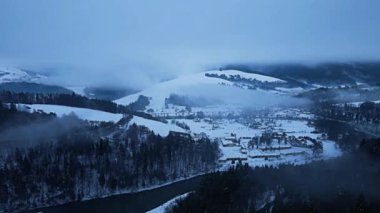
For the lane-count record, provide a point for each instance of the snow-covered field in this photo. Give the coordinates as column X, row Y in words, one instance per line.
column 157, row 127
column 83, row 113
column 220, row 128
column 296, row 128
column 293, row 91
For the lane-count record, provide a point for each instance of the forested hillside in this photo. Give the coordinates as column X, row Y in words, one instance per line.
column 78, row 163
column 72, row 100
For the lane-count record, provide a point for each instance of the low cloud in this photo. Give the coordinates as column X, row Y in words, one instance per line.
column 249, row 99
column 137, row 43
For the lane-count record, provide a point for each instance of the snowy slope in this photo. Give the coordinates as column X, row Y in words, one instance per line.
column 193, row 82
column 8, row 74
column 156, row 126
column 160, row 91
column 83, row 113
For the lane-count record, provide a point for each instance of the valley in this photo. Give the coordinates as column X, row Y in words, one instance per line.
column 190, row 106
column 226, row 118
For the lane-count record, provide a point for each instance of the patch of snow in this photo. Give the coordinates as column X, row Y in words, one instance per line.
column 231, row 152
column 297, row 128
column 330, row 149
column 168, row 204
column 157, row 127
column 316, row 85
column 294, row 90
column 264, row 199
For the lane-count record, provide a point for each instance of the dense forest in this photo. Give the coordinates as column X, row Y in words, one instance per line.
column 9, row 116
column 347, row 184
column 367, row 112
column 364, row 117
column 29, row 87
column 74, row 162
column 140, row 104
column 72, row 99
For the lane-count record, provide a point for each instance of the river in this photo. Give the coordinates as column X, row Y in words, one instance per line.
column 131, row 202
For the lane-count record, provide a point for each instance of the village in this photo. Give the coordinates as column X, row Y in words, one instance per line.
column 279, row 137
column 270, row 145
column 265, row 138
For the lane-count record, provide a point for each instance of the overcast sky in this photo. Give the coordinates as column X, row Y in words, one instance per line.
column 153, row 39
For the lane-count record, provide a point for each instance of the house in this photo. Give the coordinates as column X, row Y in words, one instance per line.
column 243, row 150
column 233, row 160
column 200, row 136
column 227, row 142
column 244, row 142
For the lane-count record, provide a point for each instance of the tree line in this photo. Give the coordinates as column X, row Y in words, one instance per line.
column 250, row 83
column 364, row 117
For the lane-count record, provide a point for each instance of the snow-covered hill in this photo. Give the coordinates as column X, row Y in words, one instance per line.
column 8, row 74
column 202, row 84
column 157, row 93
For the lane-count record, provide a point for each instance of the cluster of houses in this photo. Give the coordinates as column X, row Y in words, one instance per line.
column 268, row 145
